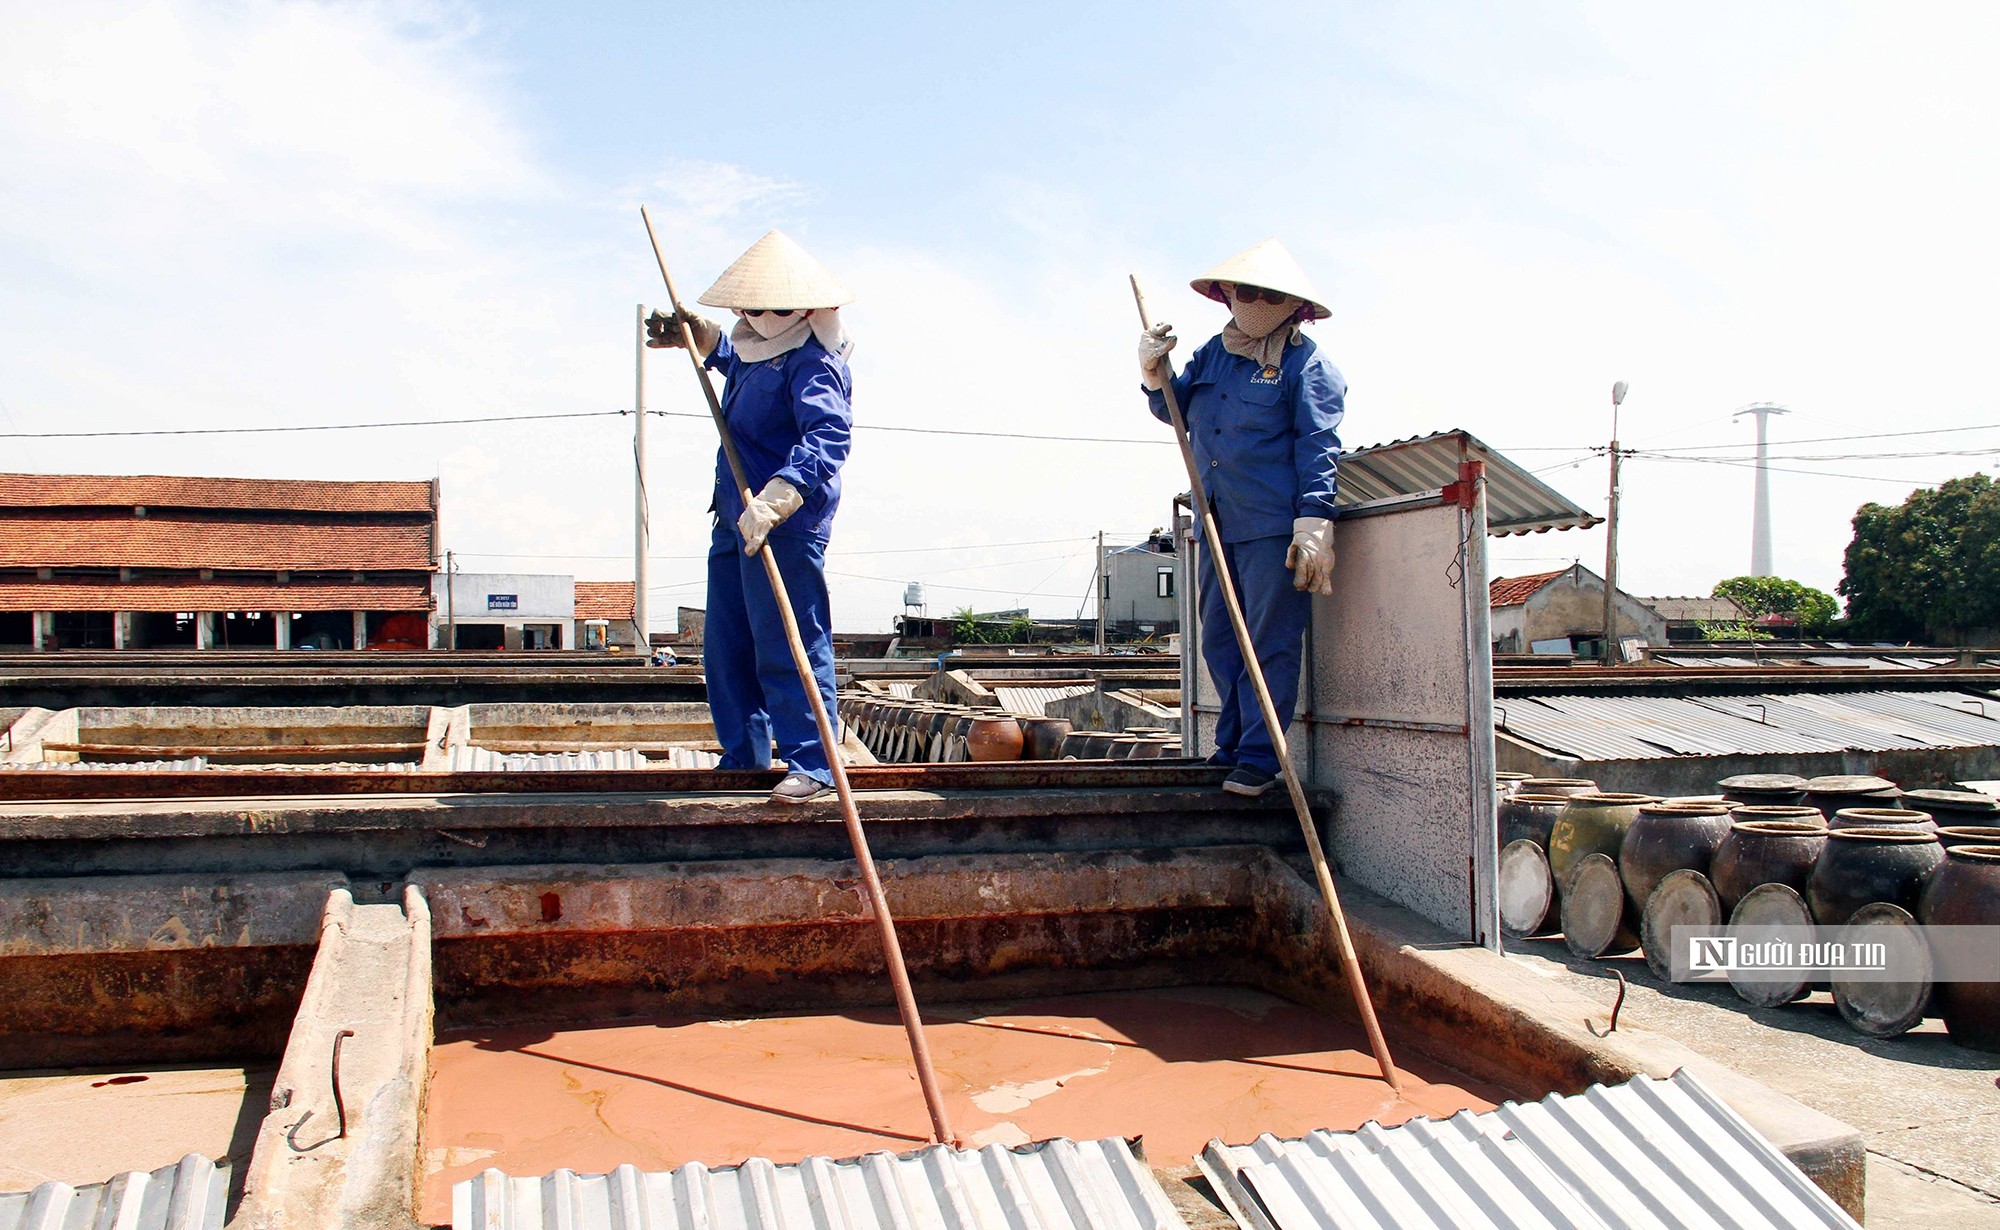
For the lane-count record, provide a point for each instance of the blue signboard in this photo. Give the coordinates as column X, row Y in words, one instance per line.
column 503, row 602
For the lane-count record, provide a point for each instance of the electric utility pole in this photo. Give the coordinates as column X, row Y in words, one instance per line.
column 641, row 524
column 1760, row 509
column 1103, row 586
column 1610, row 655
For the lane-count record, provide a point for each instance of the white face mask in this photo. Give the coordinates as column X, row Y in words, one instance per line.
column 1258, row 319
column 770, row 324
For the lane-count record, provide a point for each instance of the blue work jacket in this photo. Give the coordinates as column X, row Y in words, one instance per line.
column 1266, row 440
column 791, row 418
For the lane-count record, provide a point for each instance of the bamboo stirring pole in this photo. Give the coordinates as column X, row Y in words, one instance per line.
column 892, row 950
column 1215, row 559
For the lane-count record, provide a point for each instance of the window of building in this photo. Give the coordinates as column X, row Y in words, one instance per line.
column 1105, row 588
column 1163, row 582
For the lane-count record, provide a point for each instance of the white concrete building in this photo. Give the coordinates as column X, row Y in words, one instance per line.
column 504, row 610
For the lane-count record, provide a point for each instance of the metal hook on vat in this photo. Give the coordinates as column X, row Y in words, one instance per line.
column 1615, row 1006
column 339, row 1105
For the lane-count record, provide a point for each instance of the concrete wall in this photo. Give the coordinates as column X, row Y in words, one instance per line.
column 1135, row 596
column 1573, row 605
column 1387, row 715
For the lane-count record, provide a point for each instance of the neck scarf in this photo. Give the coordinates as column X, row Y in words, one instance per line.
column 1260, row 332
column 822, row 323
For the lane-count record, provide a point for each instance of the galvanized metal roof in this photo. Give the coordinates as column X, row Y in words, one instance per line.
column 1595, row 728
column 190, row 1195
column 1516, row 501
column 1650, row 1153
column 1033, row 701
column 474, row 759
column 1051, row 1185
column 112, row 766
column 1672, row 725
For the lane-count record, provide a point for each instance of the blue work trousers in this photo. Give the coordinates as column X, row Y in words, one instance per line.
column 753, row 687
column 1276, row 614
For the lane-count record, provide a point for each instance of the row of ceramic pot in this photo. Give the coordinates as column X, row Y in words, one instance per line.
column 1133, row 743
column 922, row 731
column 1622, row 869
column 1826, row 795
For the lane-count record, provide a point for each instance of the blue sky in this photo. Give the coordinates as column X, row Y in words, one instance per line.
column 255, row 214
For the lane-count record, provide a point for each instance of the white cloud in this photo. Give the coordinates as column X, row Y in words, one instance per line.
column 270, row 213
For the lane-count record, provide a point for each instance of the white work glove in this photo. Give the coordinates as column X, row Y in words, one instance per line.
column 663, row 331
column 769, row 507
column 1310, row 557
column 1154, row 345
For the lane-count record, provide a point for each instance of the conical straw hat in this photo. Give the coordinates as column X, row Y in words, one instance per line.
column 1267, row 265
column 776, row 273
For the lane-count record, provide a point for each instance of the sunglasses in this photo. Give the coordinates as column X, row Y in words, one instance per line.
column 1257, row 294
column 772, row 311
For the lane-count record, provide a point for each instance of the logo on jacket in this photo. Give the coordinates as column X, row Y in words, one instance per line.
column 1268, row 376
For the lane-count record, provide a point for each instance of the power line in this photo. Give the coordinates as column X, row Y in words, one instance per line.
column 1874, row 435
column 1751, row 465
column 260, row 431
column 975, row 546
column 947, row 431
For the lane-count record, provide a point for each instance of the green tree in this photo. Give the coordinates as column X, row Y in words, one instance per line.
column 966, row 628
column 1732, row 630
column 1759, row 596
column 1928, row 567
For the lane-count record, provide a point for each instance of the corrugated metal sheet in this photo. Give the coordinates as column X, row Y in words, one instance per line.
column 1033, row 701
column 1793, row 712
column 1533, row 719
column 192, row 1195
column 1596, row 728
column 1516, row 501
column 475, row 759
column 1967, row 720
column 1650, row 1153
column 1052, row 1185
column 113, row 766
column 1686, row 727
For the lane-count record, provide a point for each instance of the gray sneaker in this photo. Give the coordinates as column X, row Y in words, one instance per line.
column 798, row 788
column 1248, row 782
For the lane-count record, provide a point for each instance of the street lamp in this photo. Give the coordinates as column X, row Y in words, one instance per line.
column 1609, row 655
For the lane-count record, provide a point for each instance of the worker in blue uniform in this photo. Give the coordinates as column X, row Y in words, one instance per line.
column 1263, row 407
column 787, row 399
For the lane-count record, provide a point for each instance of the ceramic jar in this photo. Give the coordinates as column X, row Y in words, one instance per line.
column 994, row 737
column 1759, row 852
column 1834, row 792
column 1664, row 839
column 1858, row 867
column 1566, row 786
column 1881, row 818
column 1530, row 816
column 1965, row 892
column 1592, row 823
column 1955, row 835
column 1044, row 737
column 1770, row 789
column 1954, row 807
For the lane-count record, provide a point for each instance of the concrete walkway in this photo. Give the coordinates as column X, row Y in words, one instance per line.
column 1928, row 1109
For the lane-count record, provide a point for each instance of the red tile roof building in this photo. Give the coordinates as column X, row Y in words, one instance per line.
column 1513, row 591
column 103, row 561
column 613, row 600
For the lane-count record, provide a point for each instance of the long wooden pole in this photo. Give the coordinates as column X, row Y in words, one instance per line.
column 1218, row 561
column 878, row 901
